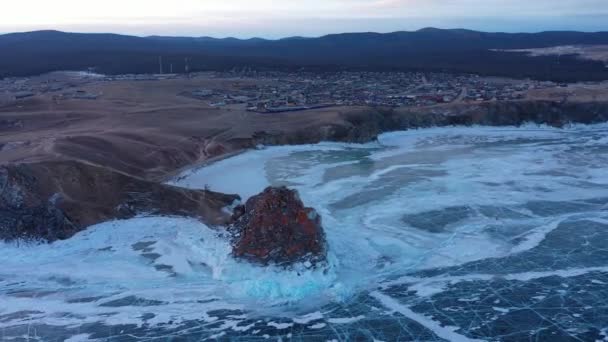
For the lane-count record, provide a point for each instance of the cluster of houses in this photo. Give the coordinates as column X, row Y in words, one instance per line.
column 60, row 87
column 272, row 92
column 284, row 91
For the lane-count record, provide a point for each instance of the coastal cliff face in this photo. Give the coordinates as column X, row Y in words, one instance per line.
column 365, row 125
column 517, row 113
column 53, row 200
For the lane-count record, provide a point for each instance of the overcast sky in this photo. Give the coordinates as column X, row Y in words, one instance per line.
column 274, row 19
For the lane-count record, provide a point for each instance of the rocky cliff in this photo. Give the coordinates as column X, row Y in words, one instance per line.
column 55, row 200
column 365, row 124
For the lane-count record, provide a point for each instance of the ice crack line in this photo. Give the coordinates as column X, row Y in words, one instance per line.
column 447, row 333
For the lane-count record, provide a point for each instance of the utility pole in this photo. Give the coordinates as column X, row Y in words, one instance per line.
column 171, row 68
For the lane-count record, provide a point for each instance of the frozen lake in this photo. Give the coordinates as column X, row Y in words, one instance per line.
column 453, row 234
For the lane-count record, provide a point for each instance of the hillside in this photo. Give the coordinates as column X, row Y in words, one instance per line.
column 426, row 50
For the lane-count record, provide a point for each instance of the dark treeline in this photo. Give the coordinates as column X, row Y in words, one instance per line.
column 30, row 53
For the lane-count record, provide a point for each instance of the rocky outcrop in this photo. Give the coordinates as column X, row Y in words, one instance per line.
column 55, row 200
column 275, row 227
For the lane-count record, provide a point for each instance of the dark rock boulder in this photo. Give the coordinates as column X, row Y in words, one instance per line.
column 51, row 201
column 275, row 227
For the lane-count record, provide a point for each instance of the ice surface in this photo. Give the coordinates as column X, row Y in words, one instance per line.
column 437, row 234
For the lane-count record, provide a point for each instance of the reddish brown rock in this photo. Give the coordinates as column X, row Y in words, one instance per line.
column 275, row 227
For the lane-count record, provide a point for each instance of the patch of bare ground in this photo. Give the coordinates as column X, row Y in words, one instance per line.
column 142, row 128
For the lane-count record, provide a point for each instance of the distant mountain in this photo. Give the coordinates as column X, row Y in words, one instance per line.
column 429, row 49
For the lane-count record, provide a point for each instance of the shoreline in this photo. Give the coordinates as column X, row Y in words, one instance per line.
column 186, row 171
column 81, row 193
column 179, row 174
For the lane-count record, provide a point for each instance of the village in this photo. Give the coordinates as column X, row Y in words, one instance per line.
column 307, row 90
column 295, row 91
column 62, row 85
column 275, row 92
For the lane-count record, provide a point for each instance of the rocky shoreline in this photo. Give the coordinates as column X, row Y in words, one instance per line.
column 49, row 201
column 54, row 200
column 365, row 125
